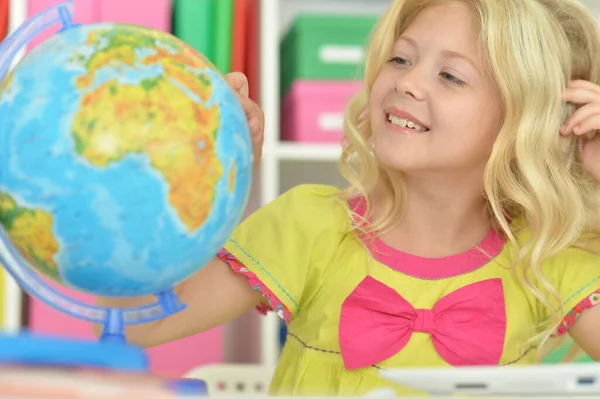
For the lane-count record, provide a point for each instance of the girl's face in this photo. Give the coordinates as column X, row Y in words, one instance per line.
column 432, row 107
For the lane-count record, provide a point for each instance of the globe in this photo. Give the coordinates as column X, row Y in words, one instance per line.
column 125, row 160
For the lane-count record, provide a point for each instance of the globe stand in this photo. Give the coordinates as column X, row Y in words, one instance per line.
column 60, row 13
column 113, row 352
column 114, row 323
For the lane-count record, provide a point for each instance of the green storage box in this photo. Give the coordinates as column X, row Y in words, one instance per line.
column 324, row 47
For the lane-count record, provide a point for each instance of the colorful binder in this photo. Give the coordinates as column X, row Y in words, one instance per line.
column 253, row 49
column 240, row 26
column 4, row 11
column 155, row 14
column 193, row 23
column 223, row 17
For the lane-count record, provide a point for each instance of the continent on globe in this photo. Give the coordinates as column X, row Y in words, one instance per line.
column 172, row 123
column 31, row 232
column 6, row 83
column 232, row 173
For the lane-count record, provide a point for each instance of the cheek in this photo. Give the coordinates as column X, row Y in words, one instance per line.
column 487, row 116
column 488, row 124
column 379, row 90
column 375, row 98
column 478, row 123
column 375, row 108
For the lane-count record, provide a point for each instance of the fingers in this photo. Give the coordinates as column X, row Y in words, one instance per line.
column 584, row 84
column 580, row 95
column 583, row 120
column 238, row 82
column 587, row 125
column 255, row 115
column 586, row 118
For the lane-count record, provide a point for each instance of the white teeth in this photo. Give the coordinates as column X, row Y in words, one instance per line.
column 405, row 123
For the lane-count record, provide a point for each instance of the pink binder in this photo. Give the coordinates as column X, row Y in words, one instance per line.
column 138, row 12
column 84, row 13
column 154, row 14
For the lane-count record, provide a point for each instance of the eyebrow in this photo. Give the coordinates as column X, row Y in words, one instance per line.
column 446, row 53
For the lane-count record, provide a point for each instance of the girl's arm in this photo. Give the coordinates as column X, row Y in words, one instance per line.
column 586, row 332
column 214, row 296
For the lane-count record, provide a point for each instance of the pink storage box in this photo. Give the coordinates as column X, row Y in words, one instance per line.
column 155, row 14
column 171, row 360
column 312, row 111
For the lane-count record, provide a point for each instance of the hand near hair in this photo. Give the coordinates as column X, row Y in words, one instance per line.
column 256, row 118
column 585, row 120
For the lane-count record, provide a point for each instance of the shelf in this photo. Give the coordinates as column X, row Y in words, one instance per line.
column 290, row 151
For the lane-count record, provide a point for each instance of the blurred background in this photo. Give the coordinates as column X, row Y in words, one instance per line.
column 303, row 60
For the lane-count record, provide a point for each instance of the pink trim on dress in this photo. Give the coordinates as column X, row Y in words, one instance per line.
column 571, row 317
column 432, row 268
column 274, row 304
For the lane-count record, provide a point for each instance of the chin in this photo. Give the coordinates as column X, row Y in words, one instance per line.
column 411, row 163
column 398, row 157
column 398, row 163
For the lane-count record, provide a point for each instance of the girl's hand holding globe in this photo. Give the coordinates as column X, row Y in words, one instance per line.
column 256, row 118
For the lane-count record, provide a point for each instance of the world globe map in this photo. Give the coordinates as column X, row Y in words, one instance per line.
column 125, row 159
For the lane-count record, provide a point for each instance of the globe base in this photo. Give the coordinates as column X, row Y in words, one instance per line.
column 29, row 355
column 44, row 350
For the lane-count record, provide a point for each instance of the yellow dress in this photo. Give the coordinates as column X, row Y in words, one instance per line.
column 297, row 250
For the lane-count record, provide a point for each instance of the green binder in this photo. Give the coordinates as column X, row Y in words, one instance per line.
column 222, row 34
column 193, row 23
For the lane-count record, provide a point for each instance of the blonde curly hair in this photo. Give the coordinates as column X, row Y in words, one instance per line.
column 532, row 49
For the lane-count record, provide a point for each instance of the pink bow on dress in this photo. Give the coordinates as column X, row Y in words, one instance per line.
column 467, row 326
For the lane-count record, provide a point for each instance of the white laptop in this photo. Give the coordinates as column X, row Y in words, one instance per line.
column 571, row 380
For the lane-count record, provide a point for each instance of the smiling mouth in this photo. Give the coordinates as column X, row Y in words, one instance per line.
column 405, row 123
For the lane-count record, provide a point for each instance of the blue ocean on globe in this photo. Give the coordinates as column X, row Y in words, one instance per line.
column 125, row 160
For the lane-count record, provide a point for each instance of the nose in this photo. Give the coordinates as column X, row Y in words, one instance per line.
column 411, row 83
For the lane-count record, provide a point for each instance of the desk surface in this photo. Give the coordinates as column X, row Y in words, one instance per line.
column 56, row 383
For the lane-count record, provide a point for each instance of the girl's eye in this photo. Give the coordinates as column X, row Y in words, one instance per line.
column 452, row 79
column 399, row 61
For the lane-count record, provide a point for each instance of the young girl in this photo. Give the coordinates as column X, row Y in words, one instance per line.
column 470, row 230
